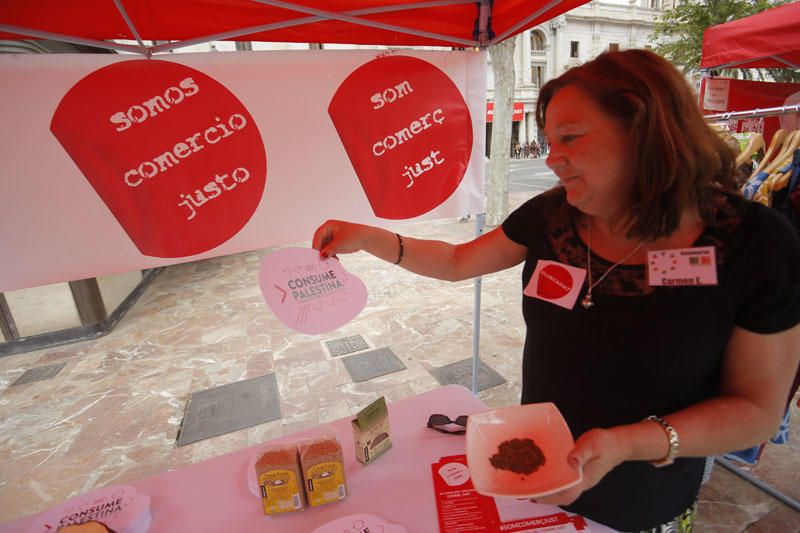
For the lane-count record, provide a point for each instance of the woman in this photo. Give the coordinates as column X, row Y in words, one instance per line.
column 650, row 367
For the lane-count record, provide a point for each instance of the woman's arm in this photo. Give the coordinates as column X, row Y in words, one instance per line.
column 758, row 371
column 435, row 259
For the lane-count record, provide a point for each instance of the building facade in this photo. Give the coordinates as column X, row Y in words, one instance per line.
column 548, row 50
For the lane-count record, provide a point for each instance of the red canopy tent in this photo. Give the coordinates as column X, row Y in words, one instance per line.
column 460, row 23
column 770, row 39
column 767, row 39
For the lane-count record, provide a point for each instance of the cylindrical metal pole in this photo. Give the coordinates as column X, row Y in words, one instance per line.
column 769, row 489
column 480, row 219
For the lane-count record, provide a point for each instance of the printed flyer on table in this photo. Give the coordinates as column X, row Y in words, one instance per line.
column 462, row 510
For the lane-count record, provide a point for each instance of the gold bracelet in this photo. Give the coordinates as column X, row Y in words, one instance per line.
column 400, row 254
column 672, row 437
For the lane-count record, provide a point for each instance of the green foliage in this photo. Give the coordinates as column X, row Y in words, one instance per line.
column 678, row 36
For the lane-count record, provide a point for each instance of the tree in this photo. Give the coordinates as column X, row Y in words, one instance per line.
column 502, row 55
column 678, row 36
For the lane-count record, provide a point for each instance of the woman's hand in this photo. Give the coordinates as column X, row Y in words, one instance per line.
column 435, row 259
column 336, row 236
column 597, row 452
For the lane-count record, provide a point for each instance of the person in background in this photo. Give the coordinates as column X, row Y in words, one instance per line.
column 534, row 148
column 660, row 319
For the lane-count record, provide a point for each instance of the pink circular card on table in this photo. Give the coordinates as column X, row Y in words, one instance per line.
column 310, row 294
column 119, row 507
column 359, row 523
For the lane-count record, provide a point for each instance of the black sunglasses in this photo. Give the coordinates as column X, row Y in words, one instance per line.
column 443, row 420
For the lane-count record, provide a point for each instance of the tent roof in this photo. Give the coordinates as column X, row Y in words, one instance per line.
column 385, row 22
column 767, row 39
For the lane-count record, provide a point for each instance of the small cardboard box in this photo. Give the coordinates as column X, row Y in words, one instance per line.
column 371, row 432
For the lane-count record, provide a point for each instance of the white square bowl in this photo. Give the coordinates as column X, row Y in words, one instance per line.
column 540, row 422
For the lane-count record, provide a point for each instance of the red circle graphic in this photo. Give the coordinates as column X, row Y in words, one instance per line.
column 407, row 131
column 554, row 282
column 174, row 154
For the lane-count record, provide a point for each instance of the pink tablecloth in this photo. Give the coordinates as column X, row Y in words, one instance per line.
column 213, row 495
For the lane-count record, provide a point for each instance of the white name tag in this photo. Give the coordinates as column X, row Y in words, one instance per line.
column 556, row 283
column 682, row 267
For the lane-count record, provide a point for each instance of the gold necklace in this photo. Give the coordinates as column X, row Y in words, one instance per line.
column 587, row 301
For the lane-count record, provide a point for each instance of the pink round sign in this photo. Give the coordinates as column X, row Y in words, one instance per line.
column 310, row 294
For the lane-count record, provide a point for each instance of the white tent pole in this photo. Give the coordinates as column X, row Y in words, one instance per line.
column 69, row 38
column 513, row 29
column 234, row 33
column 769, row 489
column 298, row 22
column 131, row 27
column 407, row 7
column 484, row 14
column 368, row 23
column 480, row 218
column 784, row 61
column 743, row 61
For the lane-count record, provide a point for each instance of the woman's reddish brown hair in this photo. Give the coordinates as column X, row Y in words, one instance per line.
column 678, row 160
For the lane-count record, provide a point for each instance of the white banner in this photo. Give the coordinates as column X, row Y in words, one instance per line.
column 117, row 163
column 717, row 92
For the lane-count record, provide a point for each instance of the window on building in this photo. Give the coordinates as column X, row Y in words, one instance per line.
column 613, row 47
column 537, row 75
column 573, row 49
column 537, row 41
column 654, row 4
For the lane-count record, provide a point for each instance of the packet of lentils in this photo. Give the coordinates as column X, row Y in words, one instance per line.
column 279, row 479
column 322, row 463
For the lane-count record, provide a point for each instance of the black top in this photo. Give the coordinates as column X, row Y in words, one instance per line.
column 645, row 350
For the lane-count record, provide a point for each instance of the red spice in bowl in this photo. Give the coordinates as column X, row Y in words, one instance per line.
column 521, row 456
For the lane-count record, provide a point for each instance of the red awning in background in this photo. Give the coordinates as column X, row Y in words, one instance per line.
column 394, row 23
column 516, row 116
column 768, row 39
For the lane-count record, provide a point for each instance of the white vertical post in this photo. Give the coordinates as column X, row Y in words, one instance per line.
column 480, row 218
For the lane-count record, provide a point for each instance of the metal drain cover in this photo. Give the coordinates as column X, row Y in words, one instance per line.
column 346, row 345
column 460, row 373
column 368, row 365
column 228, row 408
column 39, row 374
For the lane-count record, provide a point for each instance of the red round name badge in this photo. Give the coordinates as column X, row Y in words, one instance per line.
column 407, row 131
column 555, row 282
column 174, row 154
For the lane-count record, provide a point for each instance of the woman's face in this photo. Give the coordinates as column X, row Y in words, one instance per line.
column 589, row 152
